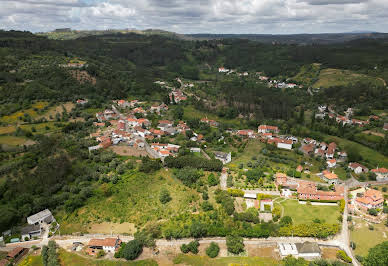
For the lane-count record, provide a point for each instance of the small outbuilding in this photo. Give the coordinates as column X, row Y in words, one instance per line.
column 44, row 216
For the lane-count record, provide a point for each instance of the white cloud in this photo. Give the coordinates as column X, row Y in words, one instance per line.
column 191, row 16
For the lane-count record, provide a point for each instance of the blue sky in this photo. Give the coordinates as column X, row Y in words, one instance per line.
column 198, row 16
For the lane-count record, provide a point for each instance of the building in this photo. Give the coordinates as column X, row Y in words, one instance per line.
column 330, row 177
column 281, row 143
column 287, row 249
column 223, row 70
column 331, row 150
column 308, row 191
column 267, row 129
column 108, row 245
column 195, row 149
column 16, row 254
column 223, row 156
column 385, row 127
column 371, row 199
column 44, row 216
column 210, row 122
column 308, row 250
column 82, row 101
column 250, row 195
column 358, row 168
column 331, row 163
column 30, row 231
column 381, row 174
column 248, row 133
column 266, row 202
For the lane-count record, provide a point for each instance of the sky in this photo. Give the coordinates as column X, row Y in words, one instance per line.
column 198, row 16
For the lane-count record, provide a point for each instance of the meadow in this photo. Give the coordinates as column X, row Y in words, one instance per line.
column 302, row 214
column 196, row 260
column 134, row 199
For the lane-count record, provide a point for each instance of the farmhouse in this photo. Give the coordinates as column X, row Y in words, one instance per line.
column 371, row 199
column 331, row 163
column 329, row 177
column 223, row 156
column 109, row 245
column 210, row 122
column 248, row 133
column 30, row 231
column 17, row 253
column 358, row 168
column 331, row 150
column 381, row 174
column 267, row 129
column 281, row 143
column 44, row 216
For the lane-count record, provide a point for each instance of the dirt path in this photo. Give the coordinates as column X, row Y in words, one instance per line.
column 374, row 133
column 224, row 177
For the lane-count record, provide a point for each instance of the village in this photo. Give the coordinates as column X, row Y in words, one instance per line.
column 126, row 126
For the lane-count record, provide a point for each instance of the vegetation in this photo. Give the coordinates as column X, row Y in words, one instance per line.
column 213, row 250
column 235, row 244
column 130, row 250
column 377, row 255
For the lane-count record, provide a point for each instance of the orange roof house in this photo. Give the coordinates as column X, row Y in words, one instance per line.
column 371, row 199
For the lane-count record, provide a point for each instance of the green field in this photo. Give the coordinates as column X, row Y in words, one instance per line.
column 365, row 238
column 196, row 260
column 72, row 259
column 12, row 141
column 338, row 77
column 134, row 199
column 190, row 113
column 302, row 214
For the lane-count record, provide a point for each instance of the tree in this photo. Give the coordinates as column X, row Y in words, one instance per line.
column 285, row 221
column 213, row 180
column 178, row 113
column 235, row 244
column 377, row 255
column 132, row 250
column 164, row 196
column 198, row 229
column 188, row 175
column 213, row 250
column 353, row 153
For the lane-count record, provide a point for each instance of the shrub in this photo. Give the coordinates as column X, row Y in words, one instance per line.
column 191, row 247
column 213, row 250
column 206, row 206
column 235, row 192
column 235, row 244
column 373, row 212
column 343, row 256
column 164, row 196
column 213, row 180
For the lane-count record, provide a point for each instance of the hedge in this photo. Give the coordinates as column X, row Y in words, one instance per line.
column 235, row 192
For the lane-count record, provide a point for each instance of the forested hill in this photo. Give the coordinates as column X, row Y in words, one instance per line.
column 128, row 64
column 323, row 38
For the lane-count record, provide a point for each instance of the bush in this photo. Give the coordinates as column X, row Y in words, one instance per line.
column 164, row 196
column 235, row 244
column 100, row 254
column 377, row 255
column 191, row 247
column 188, row 175
column 132, row 250
column 206, row 206
column 373, row 212
column 213, row 250
column 343, row 256
column 235, row 192
column 148, row 165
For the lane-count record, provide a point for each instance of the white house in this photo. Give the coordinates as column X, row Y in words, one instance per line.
column 357, row 168
column 287, row 249
column 223, row 70
column 40, row 217
column 284, row 144
column 195, row 149
column 30, row 231
column 250, row 195
column 381, row 174
column 223, row 156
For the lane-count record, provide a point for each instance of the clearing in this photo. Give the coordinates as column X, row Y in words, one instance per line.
column 112, row 228
column 134, row 199
column 338, row 77
column 366, row 238
column 124, row 150
column 303, row 213
column 195, row 260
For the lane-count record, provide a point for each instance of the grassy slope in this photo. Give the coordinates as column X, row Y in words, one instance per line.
column 12, row 141
column 134, row 199
column 13, row 118
column 196, row 260
column 304, row 214
column 335, row 77
column 375, row 158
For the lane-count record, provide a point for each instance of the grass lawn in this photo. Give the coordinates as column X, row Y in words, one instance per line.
column 253, row 148
column 365, row 238
column 340, row 171
column 11, row 140
column 196, row 260
column 373, row 157
column 7, row 130
column 301, row 214
column 92, row 111
column 41, row 127
column 68, row 258
column 134, row 199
